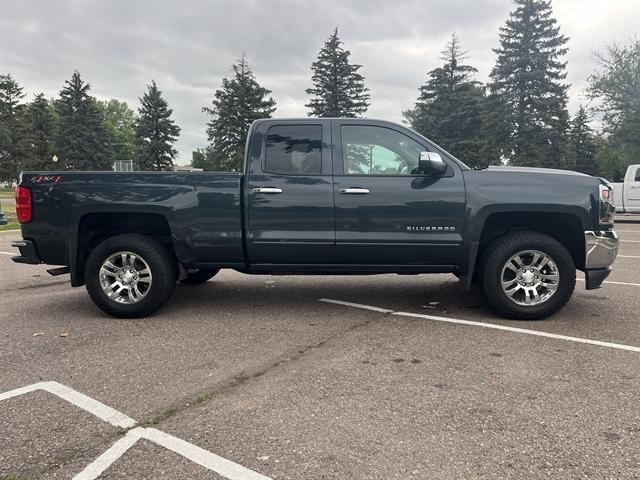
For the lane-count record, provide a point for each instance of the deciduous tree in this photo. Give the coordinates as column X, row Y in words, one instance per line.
column 616, row 88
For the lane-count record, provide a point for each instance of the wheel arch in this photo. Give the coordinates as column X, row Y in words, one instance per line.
column 566, row 228
column 95, row 227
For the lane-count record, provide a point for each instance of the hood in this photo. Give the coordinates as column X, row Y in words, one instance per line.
column 553, row 171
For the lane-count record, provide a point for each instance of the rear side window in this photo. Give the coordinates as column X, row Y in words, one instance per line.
column 294, row 150
column 637, row 179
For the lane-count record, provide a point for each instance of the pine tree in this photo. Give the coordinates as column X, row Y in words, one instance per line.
column 235, row 106
column 11, row 111
column 156, row 132
column 81, row 139
column 583, row 144
column 528, row 83
column 338, row 89
column 42, row 125
column 449, row 108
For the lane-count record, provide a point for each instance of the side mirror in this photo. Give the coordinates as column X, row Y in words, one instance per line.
column 431, row 162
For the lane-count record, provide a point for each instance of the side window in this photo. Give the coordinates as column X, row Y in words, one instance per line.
column 637, row 179
column 294, row 150
column 370, row 150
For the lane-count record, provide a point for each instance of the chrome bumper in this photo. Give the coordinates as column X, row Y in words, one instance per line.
column 601, row 249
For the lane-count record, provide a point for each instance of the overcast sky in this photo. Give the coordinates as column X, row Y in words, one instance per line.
column 189, row 46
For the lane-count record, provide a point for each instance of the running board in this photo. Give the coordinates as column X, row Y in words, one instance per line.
column 58, row 271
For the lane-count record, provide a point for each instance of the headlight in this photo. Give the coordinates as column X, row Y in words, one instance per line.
column 607, row 209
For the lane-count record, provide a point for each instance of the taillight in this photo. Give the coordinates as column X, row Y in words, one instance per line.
column 23, row 204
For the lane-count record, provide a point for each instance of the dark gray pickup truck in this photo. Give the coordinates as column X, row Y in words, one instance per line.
column 323, row 196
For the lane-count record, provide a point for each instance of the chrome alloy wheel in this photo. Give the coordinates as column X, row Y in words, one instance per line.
column 125, row 277
column 530, row 277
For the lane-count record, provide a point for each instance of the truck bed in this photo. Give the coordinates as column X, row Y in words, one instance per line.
column 202, row 211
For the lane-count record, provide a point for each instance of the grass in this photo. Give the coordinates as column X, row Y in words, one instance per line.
column 7, row 192
column 10, row 213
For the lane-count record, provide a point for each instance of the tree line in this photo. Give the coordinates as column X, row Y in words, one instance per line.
column 519, row 117
column 77, row 132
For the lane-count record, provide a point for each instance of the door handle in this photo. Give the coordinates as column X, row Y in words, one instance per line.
column 266, row 190
column 635, row 186
column 354, row 191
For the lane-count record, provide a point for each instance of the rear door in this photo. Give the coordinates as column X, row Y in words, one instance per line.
column 290, row 195
column 386, row 214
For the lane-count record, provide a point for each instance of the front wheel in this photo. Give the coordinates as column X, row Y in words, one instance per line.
column 527, row 275
column 130, row 276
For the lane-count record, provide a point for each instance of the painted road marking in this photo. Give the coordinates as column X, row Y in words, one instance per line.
column 7, row 253
column 202, row 457
column 211, row 461
column 99, row 409
column 113, row 453
column 494, row 326
column 629, row 241
column 628, row 256
column 614, row 283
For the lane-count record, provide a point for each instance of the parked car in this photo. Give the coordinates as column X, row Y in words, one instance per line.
column 626, row 195
column 320, row 196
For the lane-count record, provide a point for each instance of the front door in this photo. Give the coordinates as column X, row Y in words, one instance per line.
column 290, row 195
column 387, row 213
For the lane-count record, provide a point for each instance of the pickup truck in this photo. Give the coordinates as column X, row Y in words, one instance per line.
column 626, row 195
column 323, row 196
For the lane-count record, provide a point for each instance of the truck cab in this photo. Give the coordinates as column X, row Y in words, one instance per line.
column 348, row 193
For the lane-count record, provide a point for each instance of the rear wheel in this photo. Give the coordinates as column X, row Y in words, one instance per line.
column 130, row 276
column 527, row 275
column 198, row 276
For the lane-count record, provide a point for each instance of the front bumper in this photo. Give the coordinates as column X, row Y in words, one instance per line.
column 601, row 250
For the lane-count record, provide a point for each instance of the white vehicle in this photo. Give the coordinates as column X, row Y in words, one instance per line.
column 626, row 195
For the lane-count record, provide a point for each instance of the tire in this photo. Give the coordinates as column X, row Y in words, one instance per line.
column 153, row 280
column 553, row 282
column 199, row 276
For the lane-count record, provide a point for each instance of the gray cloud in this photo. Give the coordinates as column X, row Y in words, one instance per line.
column 188, row 46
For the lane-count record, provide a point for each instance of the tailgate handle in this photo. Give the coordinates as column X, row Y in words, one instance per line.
column 266, row 190
column 354, row 191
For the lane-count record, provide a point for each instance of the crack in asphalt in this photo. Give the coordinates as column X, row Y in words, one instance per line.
column 230, row 384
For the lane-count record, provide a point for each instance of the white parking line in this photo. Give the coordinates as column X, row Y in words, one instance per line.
column 113, row 453
column 629, row 241
column 99, row 409
column 628, row 256
column 204, row 458
column 221, row 466
column 6, row 253
column 493, row 326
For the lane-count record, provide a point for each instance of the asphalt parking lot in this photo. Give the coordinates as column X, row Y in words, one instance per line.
column 253, row 377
